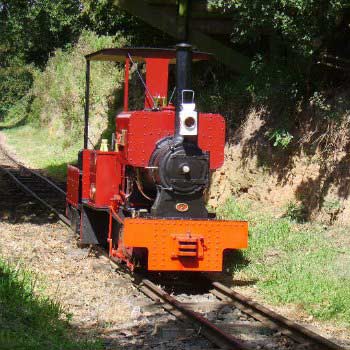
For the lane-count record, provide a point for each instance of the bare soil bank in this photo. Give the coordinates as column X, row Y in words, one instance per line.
column 311, row 175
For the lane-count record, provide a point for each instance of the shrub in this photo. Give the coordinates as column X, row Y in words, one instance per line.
column 15, row 81
column 59, row 91
column 19, row 111
column 281, row 138
column 295, row 211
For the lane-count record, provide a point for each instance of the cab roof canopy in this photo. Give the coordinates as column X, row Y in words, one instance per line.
column 141, row 54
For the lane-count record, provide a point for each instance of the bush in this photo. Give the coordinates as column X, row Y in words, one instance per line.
column 277, row 88
column 18, row 113
column 296, row 212
column 15, row 81
column 59, row 91
column 281, row 138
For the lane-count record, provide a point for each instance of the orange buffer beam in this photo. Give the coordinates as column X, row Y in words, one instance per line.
column 185, row 245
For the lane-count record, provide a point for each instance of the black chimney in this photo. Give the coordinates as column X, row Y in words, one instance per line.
column 183, row 76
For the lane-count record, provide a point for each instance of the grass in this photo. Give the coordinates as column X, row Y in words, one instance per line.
column 41, row 150
column 294, row 263
column 29, row 320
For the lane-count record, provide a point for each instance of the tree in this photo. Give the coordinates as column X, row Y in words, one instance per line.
column 306, row 28
column 32, row 29
column 104, row 18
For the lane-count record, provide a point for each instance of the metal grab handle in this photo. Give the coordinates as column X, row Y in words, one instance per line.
column 187, row 91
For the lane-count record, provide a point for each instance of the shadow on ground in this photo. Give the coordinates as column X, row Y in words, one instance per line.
column 28, row 321
column 18, row 207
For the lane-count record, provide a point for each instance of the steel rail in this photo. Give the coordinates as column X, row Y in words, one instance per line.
column 34, row 172
column 274, row 320
column 63, row 218
column 209, row 330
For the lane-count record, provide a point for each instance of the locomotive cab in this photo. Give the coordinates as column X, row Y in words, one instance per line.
column 144, row 196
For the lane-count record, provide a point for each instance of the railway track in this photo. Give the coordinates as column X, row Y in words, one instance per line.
column 45, row 191
column 228, row 319
column 269, row 330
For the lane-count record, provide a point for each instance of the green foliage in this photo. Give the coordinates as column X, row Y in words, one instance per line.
column 31, row 30
column 58, row 92
column 281, row 138
column 278, row 83
column 105, row 18
column 294, row 263
column 295, row 211
column 329, row 109
column 291, row 42
column 18, row 112
column 303, row 27
column 31, row 321
column 55, row 106
column 332, row 205
column 277, row 88
column 15, row 81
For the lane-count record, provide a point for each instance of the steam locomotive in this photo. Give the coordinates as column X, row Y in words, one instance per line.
column 144, row 197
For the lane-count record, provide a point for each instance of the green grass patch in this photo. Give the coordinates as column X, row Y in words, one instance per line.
column 43, row 151
column 31, row 321
column 294, row 263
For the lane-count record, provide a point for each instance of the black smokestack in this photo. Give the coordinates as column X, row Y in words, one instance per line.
column 183, row 76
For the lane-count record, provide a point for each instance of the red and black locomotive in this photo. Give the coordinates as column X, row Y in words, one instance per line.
column 144, row 197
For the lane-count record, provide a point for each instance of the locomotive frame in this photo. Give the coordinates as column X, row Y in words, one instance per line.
column 144, row 197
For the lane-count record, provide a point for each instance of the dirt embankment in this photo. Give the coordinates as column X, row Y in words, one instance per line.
column 310, row 178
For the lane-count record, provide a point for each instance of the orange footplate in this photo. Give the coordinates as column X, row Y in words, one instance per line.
column 185, row 245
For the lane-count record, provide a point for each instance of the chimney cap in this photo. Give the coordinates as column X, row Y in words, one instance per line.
column 183, row 46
